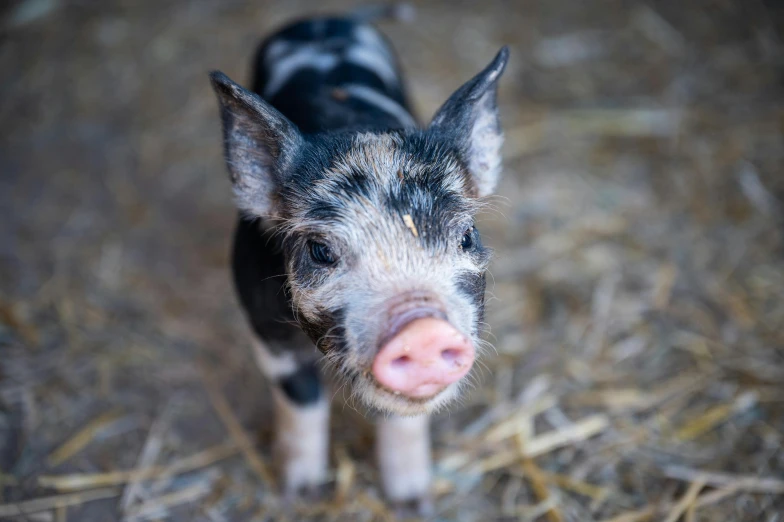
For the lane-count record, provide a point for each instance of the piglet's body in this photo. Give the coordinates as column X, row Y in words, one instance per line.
column 356, row 235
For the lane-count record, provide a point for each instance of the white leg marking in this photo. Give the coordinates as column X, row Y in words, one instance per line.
column 382, row 102
column 301, row 443
column 272, row 365
column 403, row 449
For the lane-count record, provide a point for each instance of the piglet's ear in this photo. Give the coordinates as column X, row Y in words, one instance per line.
column 470, row 116
column 260, row 144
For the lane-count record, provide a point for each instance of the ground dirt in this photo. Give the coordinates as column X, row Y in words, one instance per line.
column 636, row 303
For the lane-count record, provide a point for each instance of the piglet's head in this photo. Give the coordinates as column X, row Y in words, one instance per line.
column 386, row 268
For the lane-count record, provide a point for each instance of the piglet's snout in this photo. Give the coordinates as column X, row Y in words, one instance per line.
column 422, row 358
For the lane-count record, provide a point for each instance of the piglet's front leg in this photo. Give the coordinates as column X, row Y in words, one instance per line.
column 301, row 446
column 403, row 451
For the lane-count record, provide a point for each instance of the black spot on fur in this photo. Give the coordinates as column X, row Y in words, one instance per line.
column 303, row 387
column 472, row 285
column 328, row 333
column 424, row 196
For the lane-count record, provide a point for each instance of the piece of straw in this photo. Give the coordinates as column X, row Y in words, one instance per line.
column 236, row 431
column 81, row 481
column 20, row 509
column 82, row 438
column 686, row 501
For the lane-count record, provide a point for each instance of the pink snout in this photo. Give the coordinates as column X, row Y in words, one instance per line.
column 423, row 358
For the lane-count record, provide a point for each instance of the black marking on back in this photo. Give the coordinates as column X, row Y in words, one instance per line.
column 308, row 97
column 316, row 29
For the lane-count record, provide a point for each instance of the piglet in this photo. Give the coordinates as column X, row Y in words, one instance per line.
column 356, row 234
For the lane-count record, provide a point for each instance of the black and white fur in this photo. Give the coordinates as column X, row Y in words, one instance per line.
column 325, row 151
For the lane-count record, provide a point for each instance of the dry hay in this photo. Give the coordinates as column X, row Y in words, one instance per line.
column 636, row 305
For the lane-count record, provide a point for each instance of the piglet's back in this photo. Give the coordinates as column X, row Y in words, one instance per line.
column 332, row 73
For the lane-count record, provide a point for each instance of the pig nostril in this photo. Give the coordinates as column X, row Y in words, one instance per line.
column 401, row 362
column 451, row 355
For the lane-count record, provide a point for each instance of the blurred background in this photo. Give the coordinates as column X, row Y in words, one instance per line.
column 636, row 303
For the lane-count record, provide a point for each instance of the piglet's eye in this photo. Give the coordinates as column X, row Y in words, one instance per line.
column 321, row 253
column 468, row 239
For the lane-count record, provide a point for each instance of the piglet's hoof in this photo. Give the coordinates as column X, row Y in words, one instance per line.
column 307, row 488
column 307, row 494
column 302, row 478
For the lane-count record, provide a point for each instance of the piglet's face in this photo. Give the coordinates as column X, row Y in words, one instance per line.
column 386, row 268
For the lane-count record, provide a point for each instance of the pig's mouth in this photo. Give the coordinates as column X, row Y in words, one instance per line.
column 379, row 397
column 423, row 400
